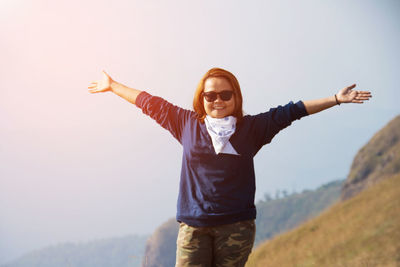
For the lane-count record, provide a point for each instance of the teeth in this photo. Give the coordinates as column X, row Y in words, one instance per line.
column 218, row 107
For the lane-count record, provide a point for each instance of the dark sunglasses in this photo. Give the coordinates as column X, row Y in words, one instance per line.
column 225, row 95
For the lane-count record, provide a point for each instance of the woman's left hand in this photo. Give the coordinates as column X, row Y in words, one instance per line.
column 348, row 95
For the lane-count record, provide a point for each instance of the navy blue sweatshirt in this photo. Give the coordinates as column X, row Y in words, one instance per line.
column 217, row 189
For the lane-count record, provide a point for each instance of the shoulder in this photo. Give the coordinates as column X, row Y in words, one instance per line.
column 145, row 98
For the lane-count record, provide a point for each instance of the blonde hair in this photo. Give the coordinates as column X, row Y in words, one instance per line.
column 198, row 104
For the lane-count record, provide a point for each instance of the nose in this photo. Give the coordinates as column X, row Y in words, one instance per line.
column 218, row 99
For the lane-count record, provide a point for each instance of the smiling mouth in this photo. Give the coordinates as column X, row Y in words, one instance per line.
column 219, row 108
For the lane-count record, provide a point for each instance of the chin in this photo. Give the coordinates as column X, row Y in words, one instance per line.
column 219, row 115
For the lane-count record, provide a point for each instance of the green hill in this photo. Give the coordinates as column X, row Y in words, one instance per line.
column 362, row 231
column 279, row 215
column 161, row 246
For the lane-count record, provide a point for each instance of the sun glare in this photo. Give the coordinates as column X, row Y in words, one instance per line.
column 10, row 9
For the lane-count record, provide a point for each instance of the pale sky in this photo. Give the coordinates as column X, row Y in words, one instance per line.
column 76, row 167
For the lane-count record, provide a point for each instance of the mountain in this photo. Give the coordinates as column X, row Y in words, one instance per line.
column 118, row 252
column 161, row 246
column 273, row 216
column 159, row 249
column 361, row 230
column 279, row 215
column 378, row 159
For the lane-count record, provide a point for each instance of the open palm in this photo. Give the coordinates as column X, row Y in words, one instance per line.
column 348, row 95
column 102, row 85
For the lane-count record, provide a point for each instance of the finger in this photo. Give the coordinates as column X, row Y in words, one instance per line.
column 362, row 98
column 363, row 95
column 365, row 92
column 105, row 73
column 92, row 86
column 351, row 86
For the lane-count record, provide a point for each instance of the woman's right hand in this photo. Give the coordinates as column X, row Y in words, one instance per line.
column 102, row 85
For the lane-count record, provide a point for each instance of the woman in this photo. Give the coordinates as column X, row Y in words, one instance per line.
column 215, row 207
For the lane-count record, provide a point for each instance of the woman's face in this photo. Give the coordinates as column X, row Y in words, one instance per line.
column 218, row 108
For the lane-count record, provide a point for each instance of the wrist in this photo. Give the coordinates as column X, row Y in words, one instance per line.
column 113, row 86
column 337, row 100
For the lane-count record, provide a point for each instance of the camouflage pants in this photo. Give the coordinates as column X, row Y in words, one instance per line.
column 225, row 245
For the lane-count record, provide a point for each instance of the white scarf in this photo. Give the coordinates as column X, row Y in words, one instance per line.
column 220, row 130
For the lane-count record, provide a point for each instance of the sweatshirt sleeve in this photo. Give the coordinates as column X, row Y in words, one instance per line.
column 269, row 123
column 169, row 116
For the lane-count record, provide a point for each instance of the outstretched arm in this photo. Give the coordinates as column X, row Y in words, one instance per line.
column 169, row 116
column 346, row 95
column 108, row 84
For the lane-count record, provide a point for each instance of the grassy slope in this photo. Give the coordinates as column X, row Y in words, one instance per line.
column 362, row 231
column 280, row 215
